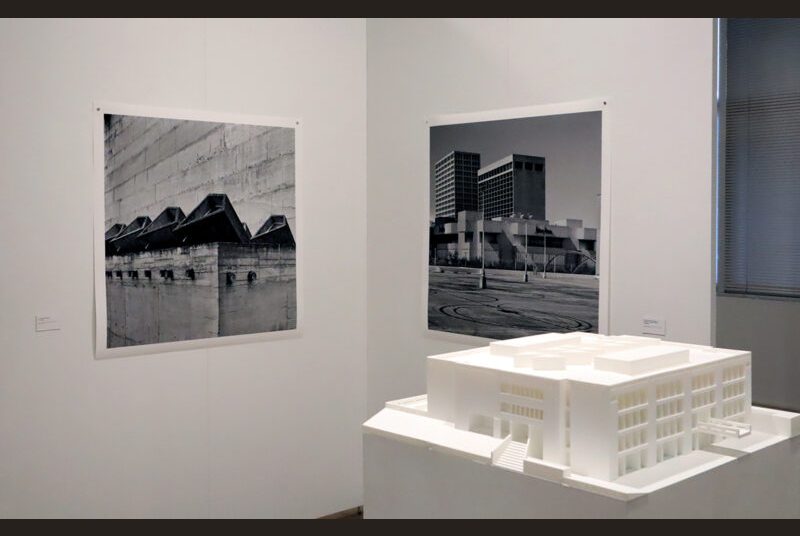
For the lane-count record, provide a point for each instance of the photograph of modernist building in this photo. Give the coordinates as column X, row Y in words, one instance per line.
column 456, row 187
column 512, row 185
column 515, row 226
column 199, row 219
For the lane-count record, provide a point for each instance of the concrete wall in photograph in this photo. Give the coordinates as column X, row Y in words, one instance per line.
column 266, row 302
column 154, row 163
column 198, row 292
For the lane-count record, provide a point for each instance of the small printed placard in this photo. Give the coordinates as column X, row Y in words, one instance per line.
column 47, row 323
column 654, row 325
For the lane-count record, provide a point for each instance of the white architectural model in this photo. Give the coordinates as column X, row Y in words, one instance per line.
column 618, row 415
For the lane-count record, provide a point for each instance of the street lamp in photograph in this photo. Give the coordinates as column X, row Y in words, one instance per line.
column 482, row 280
column 544, row 266
column 525, row 277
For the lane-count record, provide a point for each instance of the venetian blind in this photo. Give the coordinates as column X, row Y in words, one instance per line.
column 760, row 157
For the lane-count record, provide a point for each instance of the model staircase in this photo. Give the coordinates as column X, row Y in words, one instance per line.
column 513, row 456
column 723, row 427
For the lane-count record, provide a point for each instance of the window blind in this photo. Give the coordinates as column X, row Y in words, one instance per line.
column 760, row 157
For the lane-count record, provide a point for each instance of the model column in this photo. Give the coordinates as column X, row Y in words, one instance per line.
column 652, row 426
column 688, row 434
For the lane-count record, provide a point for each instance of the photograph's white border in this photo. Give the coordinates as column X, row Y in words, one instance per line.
column 591, row 105
column 99, row 109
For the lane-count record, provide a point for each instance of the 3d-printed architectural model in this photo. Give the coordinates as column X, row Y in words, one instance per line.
column 619, row 415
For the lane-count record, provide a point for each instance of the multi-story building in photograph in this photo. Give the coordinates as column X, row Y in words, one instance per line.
column 559, row 246
column 497, row 214
column 456, row 183
column 514, row 184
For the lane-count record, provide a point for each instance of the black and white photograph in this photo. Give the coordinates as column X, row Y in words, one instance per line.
column 514, row 227
column 199, row 229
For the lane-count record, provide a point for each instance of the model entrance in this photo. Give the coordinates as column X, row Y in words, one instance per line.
column 522, row 432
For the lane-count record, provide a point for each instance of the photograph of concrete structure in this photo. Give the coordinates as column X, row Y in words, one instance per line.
column 199, row 222
column 514, row 230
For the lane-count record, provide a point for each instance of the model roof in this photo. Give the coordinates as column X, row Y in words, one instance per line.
column 589, row 358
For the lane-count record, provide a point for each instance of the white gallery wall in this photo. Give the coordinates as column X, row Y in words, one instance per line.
column 658, row 77
column 264, row 429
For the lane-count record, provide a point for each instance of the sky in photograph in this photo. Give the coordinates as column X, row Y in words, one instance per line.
column 570, row 144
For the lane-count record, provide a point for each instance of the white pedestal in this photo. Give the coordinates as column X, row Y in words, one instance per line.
column 411, row 480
